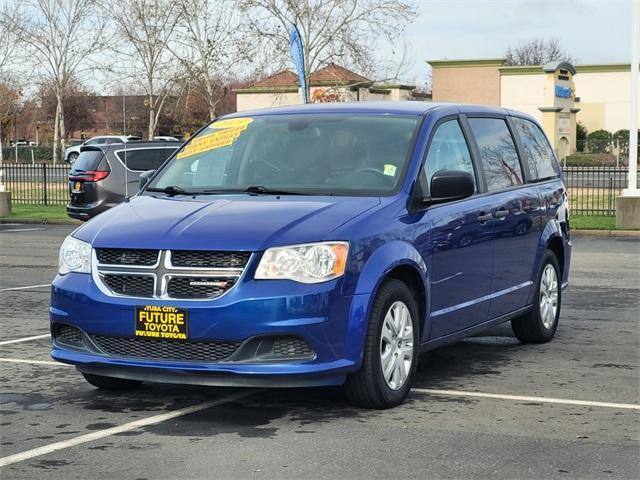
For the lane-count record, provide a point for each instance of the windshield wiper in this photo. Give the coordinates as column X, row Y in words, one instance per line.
column 170, row 190
column 262, row 190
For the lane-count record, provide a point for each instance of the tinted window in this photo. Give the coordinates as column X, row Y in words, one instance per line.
column 342, row 153
column 497, row 152
column 537, row 151
column 88, row 160
column 448, row 151
column 144, row 159
column 93, row 141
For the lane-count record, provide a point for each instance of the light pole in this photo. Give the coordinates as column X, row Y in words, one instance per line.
column 633, row 124
column 628, row 205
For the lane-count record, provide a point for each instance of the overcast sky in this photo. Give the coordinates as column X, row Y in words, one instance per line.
column 593, row 31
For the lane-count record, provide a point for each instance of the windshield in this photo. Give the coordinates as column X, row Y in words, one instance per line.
column 321, row 154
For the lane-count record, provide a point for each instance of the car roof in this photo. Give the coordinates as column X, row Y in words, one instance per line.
column 134, row 145
column 113, row 136
column 397, row 108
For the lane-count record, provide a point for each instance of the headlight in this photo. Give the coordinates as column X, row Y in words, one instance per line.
column 75, row 256
column 309, row 263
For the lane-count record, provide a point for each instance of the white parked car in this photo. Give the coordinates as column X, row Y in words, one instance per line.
column 167, row 138
column 71, row 153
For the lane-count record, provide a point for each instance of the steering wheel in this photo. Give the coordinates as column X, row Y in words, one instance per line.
column 384, row 180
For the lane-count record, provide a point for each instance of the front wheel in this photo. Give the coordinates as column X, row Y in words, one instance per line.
column 539, row 325
column 391, row 349
column 72, row 158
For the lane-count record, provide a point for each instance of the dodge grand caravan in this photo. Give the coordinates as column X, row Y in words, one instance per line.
column 319, row 245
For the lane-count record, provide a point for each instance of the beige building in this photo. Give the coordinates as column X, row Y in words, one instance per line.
column 332, row 83
column 600, row 93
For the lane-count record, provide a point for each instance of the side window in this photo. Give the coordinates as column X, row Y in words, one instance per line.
column 93, row 141
column 497, row 152
column 537, row 151
column 448, row 151
column 144, row 159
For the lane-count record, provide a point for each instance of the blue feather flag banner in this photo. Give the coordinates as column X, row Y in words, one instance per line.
column 297, row 54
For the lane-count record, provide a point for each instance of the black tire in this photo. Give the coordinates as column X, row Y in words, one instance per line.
column 72, row 158
column 111, row 383
column 367, row 387
column 529, row 328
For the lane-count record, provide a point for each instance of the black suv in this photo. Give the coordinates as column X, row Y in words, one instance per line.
column 104, row 175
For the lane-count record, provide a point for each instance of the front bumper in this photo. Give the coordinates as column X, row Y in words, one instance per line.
column 333, row 325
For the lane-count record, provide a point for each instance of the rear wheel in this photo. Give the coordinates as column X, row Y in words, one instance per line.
column 540, row 324
column 391, row 349
column 111, row 383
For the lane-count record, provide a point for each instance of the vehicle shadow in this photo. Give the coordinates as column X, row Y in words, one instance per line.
column 264, row 411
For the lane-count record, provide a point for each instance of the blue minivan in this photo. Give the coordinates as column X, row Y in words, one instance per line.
column 319, row 245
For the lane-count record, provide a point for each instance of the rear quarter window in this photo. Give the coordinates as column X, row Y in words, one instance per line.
column 537, row 151
column 144, row 159
column 88, row 160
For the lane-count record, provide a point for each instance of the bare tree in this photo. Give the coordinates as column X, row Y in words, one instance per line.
column 340, row 31
column 537, row 51
column 60, row 37
column 147, row 28
column 8, row 45
column 9, row 88
column 208, row 46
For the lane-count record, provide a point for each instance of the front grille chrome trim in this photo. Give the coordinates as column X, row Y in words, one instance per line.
column 162, row 272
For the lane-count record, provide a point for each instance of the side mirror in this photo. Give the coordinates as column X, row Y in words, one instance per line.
column 144, row 178
column 450, row 185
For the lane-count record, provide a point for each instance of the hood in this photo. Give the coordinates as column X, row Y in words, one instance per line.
column 230, row 222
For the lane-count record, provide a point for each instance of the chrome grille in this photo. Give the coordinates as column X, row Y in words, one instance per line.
column 157, row 273
column 126, row 256
column 165, row 349
column 198, row 287
column 209, row 259
column 130, row 285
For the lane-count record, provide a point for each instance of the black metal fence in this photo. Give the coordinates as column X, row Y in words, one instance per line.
column 592, row 190
column 39, row 184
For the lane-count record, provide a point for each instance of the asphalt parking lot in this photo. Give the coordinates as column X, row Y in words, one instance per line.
column 486, row 407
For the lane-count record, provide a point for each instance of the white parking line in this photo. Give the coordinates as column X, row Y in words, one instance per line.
column 25, row 339
column 34, row 362
column 523, row 398
column 126, row 427
column 21, row 229
column 24, row 288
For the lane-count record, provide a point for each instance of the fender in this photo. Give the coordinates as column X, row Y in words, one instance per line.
column 550, row 231
column 387, row 257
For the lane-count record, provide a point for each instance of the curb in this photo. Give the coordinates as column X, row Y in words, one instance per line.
column 41, row 221
column 606, row 233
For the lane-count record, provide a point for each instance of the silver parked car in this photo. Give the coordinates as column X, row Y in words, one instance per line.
column 71, row 153
column 104, row 175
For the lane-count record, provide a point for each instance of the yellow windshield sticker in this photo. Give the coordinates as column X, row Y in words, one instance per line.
column 227, row 132
column 232, row 123
column 390, row 170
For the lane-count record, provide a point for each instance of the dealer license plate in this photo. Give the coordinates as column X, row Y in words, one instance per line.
column 163, row 322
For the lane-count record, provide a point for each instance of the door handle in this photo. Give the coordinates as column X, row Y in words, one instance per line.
column 484, row 217
column 502, row 214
